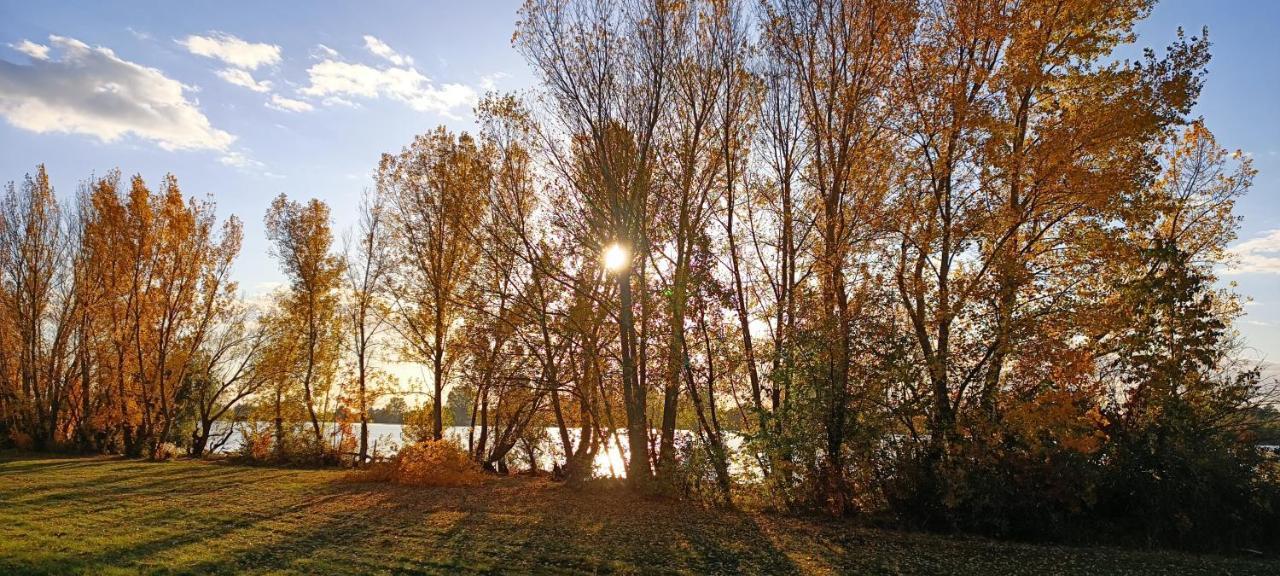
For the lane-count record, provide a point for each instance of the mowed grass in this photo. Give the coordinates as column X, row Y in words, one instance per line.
column 112, row 516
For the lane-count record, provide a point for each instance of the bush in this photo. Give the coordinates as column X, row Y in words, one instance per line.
column 166, row 451
column 429, row 463
column 257, row 443
column 20, row 440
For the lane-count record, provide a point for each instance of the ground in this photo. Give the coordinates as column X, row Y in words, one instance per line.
column 61, row 515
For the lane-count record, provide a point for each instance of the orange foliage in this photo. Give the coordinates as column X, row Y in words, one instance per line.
column 429, row 463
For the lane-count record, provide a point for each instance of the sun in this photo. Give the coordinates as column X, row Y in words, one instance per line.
column 616, row 258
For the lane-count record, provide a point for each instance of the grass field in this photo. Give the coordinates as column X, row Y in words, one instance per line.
column 112, row 516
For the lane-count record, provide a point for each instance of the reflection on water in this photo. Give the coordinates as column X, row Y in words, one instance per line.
column 610, row 461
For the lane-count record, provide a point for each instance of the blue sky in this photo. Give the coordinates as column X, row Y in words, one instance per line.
column 244, row 101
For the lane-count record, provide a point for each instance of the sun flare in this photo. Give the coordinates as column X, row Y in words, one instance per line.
column 616, row 257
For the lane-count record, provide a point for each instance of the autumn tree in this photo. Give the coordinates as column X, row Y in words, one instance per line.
column 302, row 241
column 1179, row 443
column 155, row 277
column 229, row 369
column 606, row 71
column 368, row 266
column 843, row 55
column 436, row 190
column 39, row 305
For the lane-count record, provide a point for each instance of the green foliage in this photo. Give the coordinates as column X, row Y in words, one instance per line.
column 418, row 422
column 1180, row 470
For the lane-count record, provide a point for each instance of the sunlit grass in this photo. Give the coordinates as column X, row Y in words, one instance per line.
column 111, row 516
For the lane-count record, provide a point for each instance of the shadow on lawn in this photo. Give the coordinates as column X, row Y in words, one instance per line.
column 60, row 516
column 523, row 525
column 508, row 525
column 205, row 518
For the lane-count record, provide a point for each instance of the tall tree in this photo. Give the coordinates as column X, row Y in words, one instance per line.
column 843, row 54
column 606, row 72
column 368, row 264
column 302, row 242
column 437, row 191
column 35, row 250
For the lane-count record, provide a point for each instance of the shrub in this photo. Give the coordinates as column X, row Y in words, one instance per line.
column 257, row 443
column 428, row 463
column 20, row 440
column 166, row 451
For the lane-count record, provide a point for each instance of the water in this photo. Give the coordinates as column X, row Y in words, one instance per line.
column 386, row 439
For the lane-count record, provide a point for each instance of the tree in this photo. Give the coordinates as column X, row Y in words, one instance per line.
column 368, row 268
column 843, row 55
column 606, row 73
column 301, row 242
column 156, row 276
column 1179, row 450
column 39, row 307
column 436, row 189
column 1019, row 151
column 229, row 368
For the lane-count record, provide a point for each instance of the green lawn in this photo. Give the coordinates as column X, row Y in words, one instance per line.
column 112, row 516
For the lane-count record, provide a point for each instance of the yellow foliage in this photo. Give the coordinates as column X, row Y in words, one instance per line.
column 428, row 463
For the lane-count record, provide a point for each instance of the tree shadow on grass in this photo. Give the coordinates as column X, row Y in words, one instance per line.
column 128, row 482
column 522, row 525
column 189, row 518
column 15, row 464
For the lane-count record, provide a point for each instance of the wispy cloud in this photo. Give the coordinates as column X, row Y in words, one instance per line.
column 322, row 52
column 1259, row 255
column 139, row 34
column 237, row 159
column 382, row 50
column 89, row 90
column 289, row 104
column 32, row 50
column 489, row 82
column 232, row 50
column 245, row 79
column 334, row 81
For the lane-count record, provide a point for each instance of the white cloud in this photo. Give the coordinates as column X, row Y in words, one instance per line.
column 489, row 82
column 339, row 101
column 232, row 50
column 1260, row 255
column 331, row 77
column 244, row 78
column 322, row 52
column 140, row 35
column 237, row 159
column 338, row 82
column 90, row 90
column 289, row 104
column 382, row 50
column 32, row 50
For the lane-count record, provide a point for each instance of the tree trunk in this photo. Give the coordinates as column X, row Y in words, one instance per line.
column 638, row 473
column 675, row 365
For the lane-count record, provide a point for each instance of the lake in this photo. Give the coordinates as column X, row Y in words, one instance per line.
column 385, row 439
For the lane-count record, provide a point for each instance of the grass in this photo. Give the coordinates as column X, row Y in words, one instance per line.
column 61, row 515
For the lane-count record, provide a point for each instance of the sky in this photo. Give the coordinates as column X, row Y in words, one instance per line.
column 246, row 100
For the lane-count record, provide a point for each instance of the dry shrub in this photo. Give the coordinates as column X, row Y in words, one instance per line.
column 166, row 451
column 257, row 443
column 427, row 463
column 21, row 440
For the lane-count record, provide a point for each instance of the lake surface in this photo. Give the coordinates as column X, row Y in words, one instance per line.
column 386, row 439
